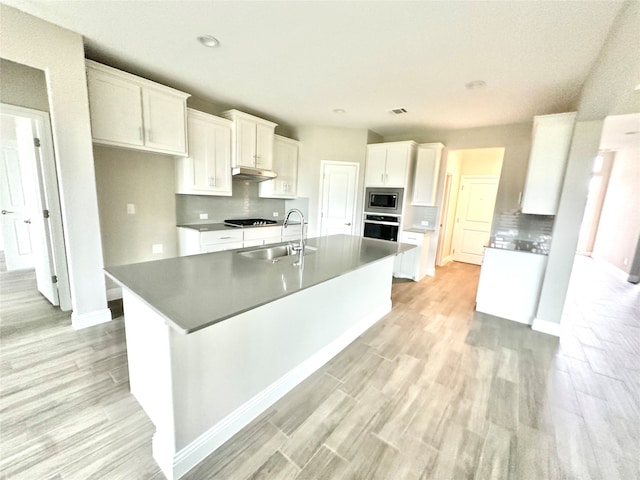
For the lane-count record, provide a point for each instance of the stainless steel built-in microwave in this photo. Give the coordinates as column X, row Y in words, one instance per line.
column 383, row 200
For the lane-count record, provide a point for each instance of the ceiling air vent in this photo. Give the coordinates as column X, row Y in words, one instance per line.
column 398, row 111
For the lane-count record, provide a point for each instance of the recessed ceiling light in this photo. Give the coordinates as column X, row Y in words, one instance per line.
column 208, row 41
column 339, row 110
column 475, row 84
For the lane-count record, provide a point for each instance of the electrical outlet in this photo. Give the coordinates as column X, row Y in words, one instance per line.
column 156, row 248
column 131, row 208
column 276, row 214
column 625, row 261
column 424, row 223
column 204, row 216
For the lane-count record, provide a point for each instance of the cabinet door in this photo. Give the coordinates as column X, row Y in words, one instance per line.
column 375, row 169
column 426, row 179
column 245, row 143
column 264, row 146
column 397, row 165
column 164, row 121
column 115, row 108
column 207, row 170
column 285, row 164
column 547, row 162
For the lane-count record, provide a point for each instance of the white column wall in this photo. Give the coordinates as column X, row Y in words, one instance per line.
column 30, row 41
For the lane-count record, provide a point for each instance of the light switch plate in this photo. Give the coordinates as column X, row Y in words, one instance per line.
column 276, row 214
column 131, row 208
column 424, row 223
column 156, row 248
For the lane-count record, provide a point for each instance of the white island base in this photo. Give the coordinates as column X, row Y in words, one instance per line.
column 199, row 389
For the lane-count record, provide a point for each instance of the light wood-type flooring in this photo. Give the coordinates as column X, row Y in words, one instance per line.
column 432, row 391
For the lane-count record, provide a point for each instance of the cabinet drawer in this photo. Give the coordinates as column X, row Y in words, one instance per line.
column 412, row 238
column 220, row 236
column 221, row 247
column 261, row 233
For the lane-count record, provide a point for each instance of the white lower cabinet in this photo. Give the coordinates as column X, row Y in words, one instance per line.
column 254, row 237
column 413, row 264
column 191, row 242
column 510, row 284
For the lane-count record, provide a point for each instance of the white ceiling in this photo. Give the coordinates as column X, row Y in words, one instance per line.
column 296, row 61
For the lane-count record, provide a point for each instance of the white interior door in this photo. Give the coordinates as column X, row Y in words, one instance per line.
column 476, row 202
column 15, row 196
column 22, row 186
column 339, row 187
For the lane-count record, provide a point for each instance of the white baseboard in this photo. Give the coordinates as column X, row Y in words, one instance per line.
column 205, row 444
column 431, row 272
column 114, row 293
column 84, row 320
column 545, row 326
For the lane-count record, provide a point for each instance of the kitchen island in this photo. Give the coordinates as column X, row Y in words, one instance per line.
column 214, row 339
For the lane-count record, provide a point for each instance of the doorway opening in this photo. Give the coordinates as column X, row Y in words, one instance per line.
column 32, row 236
column 468, row 204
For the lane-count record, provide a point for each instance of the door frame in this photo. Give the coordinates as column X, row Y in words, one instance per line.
column 356, row 227
column 49, row 185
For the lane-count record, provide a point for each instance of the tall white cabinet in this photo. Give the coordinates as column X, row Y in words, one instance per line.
column 389, row 164
column 207, row 169
column 551, row 140
column 425, row 181
column 252, row 140
column 132, row 112
column 285, row 164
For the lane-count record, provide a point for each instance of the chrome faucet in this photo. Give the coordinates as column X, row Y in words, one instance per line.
column 299, row 248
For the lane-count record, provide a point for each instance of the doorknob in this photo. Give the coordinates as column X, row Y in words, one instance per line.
column 348, row 224
column 4, row 212
column 27, row 221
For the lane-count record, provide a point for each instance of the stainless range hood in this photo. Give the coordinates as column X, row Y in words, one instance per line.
column 252, row 174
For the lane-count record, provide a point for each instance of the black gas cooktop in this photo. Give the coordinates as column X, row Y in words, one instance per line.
column 248, row 222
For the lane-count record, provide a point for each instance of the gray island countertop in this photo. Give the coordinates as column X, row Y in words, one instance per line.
column 196, row 291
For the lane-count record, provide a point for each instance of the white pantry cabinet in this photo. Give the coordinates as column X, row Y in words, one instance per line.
column 132, row 112
column 425, row 181
column 389, row 164
column 551, row 140
column 285, row 164
column 252, row 140
column 207, row 169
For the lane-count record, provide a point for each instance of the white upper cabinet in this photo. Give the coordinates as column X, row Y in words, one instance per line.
column 132, row 112
column 207, row 169
column 425, row 182
column 551, row 140
column 389, row 164
column 285, row 164
column 252, row 140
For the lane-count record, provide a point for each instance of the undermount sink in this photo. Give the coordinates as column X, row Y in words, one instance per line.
column 274, row 252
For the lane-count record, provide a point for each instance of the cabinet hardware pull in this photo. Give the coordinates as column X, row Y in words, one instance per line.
column 27, row 221
column 224, row 238
column 348, row 224
column 4, row 212
column 141, row 134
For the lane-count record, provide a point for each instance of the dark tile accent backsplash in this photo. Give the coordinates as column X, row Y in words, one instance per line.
column 518, row 231
column 244, row 203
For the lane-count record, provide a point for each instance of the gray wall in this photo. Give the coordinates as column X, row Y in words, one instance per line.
column 516, row 140
column 147, row 181
column 23, row 86
column 334, row 144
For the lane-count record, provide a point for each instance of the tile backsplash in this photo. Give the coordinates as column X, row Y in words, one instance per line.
column 244, row 203
column 519, row 231
column 423, row 214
